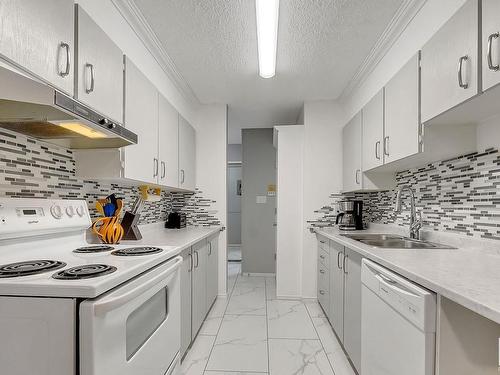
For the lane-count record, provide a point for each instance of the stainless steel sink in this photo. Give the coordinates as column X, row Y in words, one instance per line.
column 392, row 241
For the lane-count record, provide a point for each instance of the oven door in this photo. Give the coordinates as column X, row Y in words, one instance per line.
column 135, row 328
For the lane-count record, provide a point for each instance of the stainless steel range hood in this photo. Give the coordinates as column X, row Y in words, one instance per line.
column 32, row 108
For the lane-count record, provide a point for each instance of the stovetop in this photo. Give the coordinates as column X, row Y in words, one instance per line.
column 71, row 266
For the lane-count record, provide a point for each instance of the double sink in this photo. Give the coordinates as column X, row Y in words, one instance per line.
column 392, row 241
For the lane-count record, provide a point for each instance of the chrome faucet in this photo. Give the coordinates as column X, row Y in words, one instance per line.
column 415, row 223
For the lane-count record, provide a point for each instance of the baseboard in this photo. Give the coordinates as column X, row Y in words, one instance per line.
column 284, row 296
column 258, row 274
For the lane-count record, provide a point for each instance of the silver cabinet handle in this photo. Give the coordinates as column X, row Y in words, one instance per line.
column 344, row 264
column 89, row 89
column 163, row 169
column 460, row 75
column 357, row 176
column 155, row 167
column 210, row 248
column 386, row 145
column 65, row 72
column 322, row 242
column 377, row 150
column 197, row 259
column 490, row 57
column 322, row 292
column 322, row 256
column 339, row 265
column 182, row 176
column 321, row 271
column 191, row 263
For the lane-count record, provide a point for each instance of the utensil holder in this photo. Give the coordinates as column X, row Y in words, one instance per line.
column 129, row 224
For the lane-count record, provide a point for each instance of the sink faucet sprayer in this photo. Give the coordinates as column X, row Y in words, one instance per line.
column 415, row 223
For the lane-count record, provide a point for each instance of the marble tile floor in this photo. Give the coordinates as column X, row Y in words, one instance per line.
column 251, row 332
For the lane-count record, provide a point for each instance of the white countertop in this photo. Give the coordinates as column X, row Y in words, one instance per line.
column 157, row 235
column 468, row 275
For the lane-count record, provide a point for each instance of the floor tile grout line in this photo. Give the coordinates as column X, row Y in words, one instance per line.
column 222, row 320
column 319, row 337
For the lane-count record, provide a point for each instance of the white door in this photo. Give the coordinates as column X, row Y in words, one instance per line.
column 200, row 256
column 491, row 43
column 373, row 132
column 168, row 136
column 337, row 289
column 38, row 36
column 186, row 271
column 212, row 270
column 38, row 336
column 352, row 171
column 402, row 112
column 141, row 116
column 450, row 63
column 99, row 67
column 187, row 155
column 352, row 306
column 135, row 328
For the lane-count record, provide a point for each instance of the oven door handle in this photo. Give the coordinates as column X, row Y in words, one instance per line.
column 107, row 305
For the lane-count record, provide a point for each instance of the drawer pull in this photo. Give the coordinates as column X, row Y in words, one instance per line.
column 322, row 292
column 322, row 256
column 321, row 271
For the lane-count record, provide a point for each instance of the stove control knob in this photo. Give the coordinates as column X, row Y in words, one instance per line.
column 80, row 211
column 56, row 211
column 70, row 211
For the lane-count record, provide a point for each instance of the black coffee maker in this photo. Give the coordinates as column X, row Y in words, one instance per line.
column 350, row 216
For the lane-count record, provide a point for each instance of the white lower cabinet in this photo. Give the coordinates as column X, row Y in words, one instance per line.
column 186, row 288
column 341, row 299
column 212, row 270
column 199, row 287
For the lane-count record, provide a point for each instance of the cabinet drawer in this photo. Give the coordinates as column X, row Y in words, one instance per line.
column 324, row 257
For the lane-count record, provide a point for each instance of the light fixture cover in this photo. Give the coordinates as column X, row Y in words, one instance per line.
column 267, row 12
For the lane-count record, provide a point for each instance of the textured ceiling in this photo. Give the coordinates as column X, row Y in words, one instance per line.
column 213, row 43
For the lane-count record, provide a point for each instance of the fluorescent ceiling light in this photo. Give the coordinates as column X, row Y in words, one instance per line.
column 267, row 35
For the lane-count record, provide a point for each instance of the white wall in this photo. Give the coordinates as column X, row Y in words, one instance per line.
column 323, row 122
column 430, row 18
column 211, row 161
column 289, row 179
column 105, row 14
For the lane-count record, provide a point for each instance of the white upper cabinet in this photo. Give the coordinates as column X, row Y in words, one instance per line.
column 168, row 137
column 141, row 116
column 373, row 132
column 491, row 43
column 99, row 67
column 402, row 112
column 187, row 155
column 449, row 64
column 352, row 141
column 38, row 36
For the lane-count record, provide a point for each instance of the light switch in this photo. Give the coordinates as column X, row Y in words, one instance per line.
column 261, row 199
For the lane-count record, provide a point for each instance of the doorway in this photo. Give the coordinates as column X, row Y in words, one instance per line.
column 234, row 212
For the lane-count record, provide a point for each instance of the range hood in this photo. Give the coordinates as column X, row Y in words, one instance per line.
column 35, row 109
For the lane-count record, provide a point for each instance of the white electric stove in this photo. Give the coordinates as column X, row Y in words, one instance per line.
column 70, row 307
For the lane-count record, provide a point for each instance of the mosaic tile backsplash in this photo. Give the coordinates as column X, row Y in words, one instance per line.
column 34, row 169
column 459, row 195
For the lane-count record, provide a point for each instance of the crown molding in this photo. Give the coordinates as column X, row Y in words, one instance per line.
column 404, row 15
column 134, row 17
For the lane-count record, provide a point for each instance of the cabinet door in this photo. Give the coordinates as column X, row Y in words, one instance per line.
column 186, row 268
column 200, row 256
column 141, row 117
column 38, row 37
column 324, row 288
column 443, row 86
column 351, row 137
column 168, row 136
column 337, row 289
column 352, row 306
column 187, row 155
column 491, row 43
column 212, row 270
column 402, row 112
column 373, row 132
column 99, row 67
